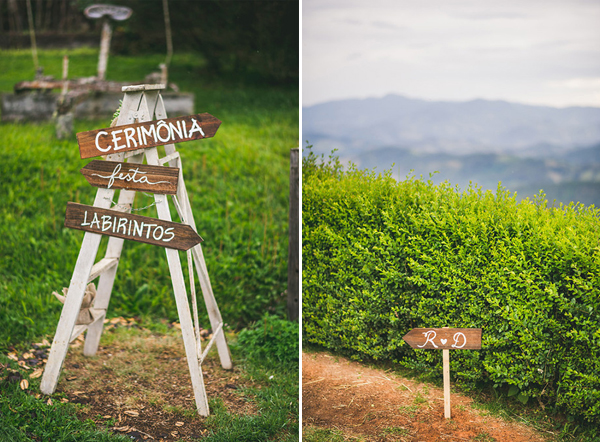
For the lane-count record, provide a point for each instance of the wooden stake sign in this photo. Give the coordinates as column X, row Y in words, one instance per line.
column 118, row 139
column 131, row 176
column 127, row 226
column 444, row 339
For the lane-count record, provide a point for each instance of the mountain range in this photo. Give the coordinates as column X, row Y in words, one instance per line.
column 526, row 148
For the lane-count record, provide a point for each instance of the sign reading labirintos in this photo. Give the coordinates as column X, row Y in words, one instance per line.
column 135, row 227
column 117, row 139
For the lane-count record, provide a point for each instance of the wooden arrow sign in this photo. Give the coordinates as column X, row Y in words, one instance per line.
column 444, row 338
column 136, row 136
column 135, row 227
column 132, row 176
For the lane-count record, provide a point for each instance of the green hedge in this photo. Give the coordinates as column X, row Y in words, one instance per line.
column 381, row 257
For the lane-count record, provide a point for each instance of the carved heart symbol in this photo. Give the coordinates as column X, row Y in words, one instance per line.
column 444, row 341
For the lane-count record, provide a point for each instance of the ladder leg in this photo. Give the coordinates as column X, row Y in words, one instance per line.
column 70, row 311
column 94, row 331
column 187, row 331
column 214, row 315
column 107, row 280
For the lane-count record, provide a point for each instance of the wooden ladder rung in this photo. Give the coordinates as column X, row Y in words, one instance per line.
column 102, row 266
column 99, row 314
column 210, row 343
column 168, row 158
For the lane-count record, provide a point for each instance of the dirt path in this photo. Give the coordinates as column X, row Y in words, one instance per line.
column 379, row 406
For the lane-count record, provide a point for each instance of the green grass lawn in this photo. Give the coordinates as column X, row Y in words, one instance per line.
column 238, row 183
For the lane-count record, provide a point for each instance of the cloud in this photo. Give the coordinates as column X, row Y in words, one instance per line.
column 534, row 51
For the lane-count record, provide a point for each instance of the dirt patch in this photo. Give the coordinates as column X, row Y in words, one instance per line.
column 378, row 405
column 138, row 384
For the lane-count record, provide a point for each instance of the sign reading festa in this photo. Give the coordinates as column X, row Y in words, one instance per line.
column 132, row 176
column 99, row 142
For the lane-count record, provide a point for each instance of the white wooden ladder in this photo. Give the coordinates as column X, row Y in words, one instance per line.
column 140, row 104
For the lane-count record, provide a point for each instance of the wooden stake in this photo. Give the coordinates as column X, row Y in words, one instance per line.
column 446, row 368
column 32, row 35
column 104, row 48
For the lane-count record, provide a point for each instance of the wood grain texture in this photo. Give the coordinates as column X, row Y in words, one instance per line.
column 134, row 227
column 99, row 142
column 132, row 176
column 444, row 338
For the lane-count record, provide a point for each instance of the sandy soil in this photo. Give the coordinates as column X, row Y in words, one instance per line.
column 378, row 405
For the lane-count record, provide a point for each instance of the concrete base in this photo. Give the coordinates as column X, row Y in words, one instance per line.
column 40, row 105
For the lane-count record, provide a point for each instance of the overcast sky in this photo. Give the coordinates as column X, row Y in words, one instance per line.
column 527, row 51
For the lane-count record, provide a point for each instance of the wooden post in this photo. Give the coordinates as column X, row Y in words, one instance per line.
column 293, row 288
column 444, row 339
column 104, row 48
column 446, row 368
column 32, row 35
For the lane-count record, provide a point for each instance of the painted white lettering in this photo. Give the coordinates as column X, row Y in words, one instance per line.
column 457, row 336
column 195, row 128
column 129, row 133
column 184, row 125
column 95, row 220
column 115, row 139
column 106, row 222
column 175, row 130
column 138, row 229
column 127, row 177
column 169, row 231
column 98, row 135
column 122, row 223
column 430, row 335
column 148, row 232
column 163, row 125
column 151, row 132
column 139, row 134
column 162, row 232
column 84, row 223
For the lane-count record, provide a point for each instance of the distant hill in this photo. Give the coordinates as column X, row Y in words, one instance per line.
column 452, row 127
column 527, row 148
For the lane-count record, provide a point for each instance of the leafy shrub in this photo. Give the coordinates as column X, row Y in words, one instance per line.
column 381, row 257
column 271, row 341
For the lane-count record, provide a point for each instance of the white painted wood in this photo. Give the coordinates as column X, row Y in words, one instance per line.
column 181, row 299
column 143, row 87
column 446, row 369
column 81, row 273
column 139, row 104
column 210, row 343
column 140, row 112
column 77, row 330
column 102, row 266
column 169, row 158
column 214, row 315
column 70, row 311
